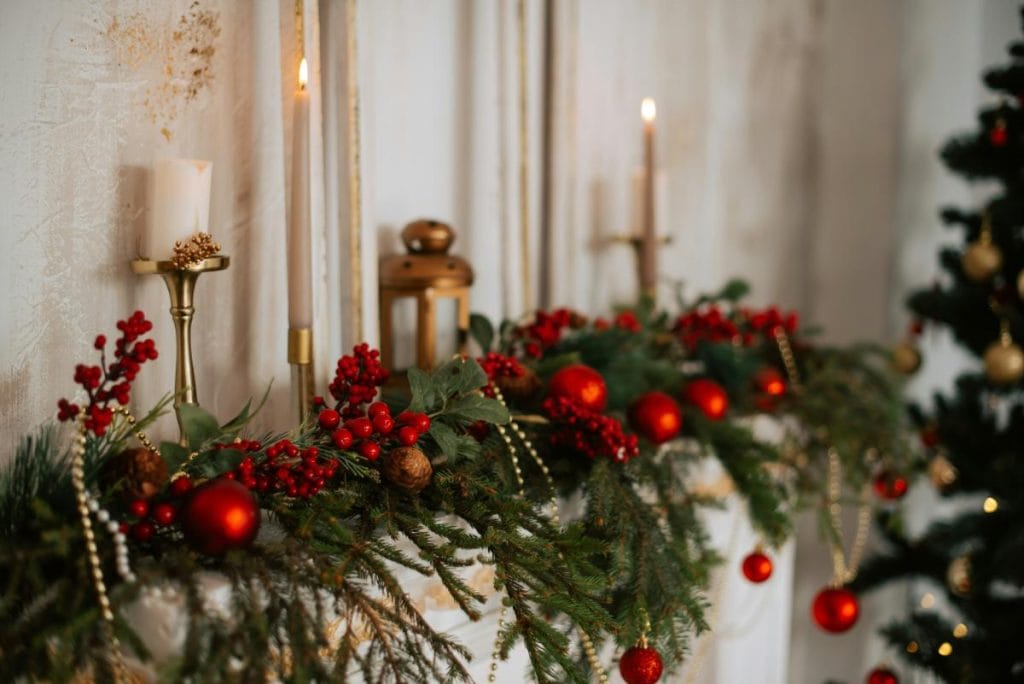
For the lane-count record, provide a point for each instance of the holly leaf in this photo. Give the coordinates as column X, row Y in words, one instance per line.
column 473, row 407
column 198, row 424
column 424, row 391
column 174, row 455
column 459, row 376
column 482, row 331
column 445, row 437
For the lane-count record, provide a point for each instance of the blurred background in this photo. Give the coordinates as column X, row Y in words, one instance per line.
column 797, row 141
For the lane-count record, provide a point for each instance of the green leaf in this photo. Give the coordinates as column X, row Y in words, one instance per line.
column 459, row 376
column 174, row 455
column 482, row 331
column 234, row 426
column 199, row 425
column 424, row 391
column 473, row 407
column 447, row 440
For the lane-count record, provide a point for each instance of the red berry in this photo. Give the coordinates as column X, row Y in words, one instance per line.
column 181, row 485
column 139, row 508
column 163, row 513
column 370, row 450
column 405, row 417
column 361, row 428
column 421, row 421
column 383, row 424
column 378, row 408
column 329, row 419
column 142, row 531
column 342, row 438
column 408, row 435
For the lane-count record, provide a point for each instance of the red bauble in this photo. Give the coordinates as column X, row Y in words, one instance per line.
column 882, row 675
column 581, row 384
column 757, row 567
column 656, row 416
column 220, row 515
column 835, row 609
column 708, row 396
column 640, row 665
column 998, row 135
column 890, row 485
column 770, row 381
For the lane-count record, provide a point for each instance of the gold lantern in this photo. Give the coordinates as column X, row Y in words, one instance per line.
column 427, row 274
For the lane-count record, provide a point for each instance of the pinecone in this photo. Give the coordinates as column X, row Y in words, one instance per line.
column 408, row 467
column 139, row 472
column 521, row 388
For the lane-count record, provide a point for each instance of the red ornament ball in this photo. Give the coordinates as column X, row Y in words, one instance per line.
column 757, row 567
column 640, row 665
column 882, row 675
column 835, row 609
column 770, row 381
column 708, row 396
column 998, row 136
column 890, row 485
column 220, row 515
column 656, row 416
column 582, row 385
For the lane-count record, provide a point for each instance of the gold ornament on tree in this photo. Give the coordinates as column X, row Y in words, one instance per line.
column 906, row 357
column 982, row 259
column 408, row 468
column 958, row 576
column 942, row 473
column 1004, row 359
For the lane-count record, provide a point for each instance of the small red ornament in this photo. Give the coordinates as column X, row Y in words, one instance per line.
column 882, row 675
column 757, row 567
column 163, row 513
column 656, row 416
column 998, row 136
column 835, row 609
column 708, row 396
column 220, row 515
column 581, row 384
column 181, row 485
column 890, row 485
column 770, row 381
column 329, row 419
column 640, row 664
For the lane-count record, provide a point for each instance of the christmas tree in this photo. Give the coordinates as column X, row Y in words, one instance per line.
column 973, row 443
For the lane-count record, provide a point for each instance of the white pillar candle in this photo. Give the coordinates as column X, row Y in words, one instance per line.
column 300, row 260
column 181, row 205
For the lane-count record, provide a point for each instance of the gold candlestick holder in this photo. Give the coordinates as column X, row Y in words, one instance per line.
column 646, row 261
column 181, row 285
column 300, row 356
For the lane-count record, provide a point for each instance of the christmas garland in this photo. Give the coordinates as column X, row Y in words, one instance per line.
column 311, row 528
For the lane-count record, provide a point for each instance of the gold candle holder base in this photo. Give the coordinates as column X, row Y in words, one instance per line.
column 181, row 285
column 300, row 356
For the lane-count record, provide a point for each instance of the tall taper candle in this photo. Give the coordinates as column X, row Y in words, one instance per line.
column 300, row 276
column 180, row 207
column 649, row 245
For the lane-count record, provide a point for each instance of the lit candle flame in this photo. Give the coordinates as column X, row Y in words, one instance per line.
column 303, row 74
column 648, row 110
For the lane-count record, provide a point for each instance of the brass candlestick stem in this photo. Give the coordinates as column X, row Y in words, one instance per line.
column 181, row 285
column 646, row 259
column 300, row 356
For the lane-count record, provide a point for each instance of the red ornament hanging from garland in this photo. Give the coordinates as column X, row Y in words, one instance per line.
column 835, row 609
column 581, row 384
column 882, row 675
column 757, row 566
column 890, row 485
column 998, row 135
column 641, row 664
column 770, row 381
column 708, row 396
column 656, row 416
column 220, row 515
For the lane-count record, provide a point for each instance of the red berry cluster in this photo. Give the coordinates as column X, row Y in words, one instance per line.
column 286, row 468
column 748, row 327
column 627, row 320
column 499, row 366
column 357, row 379
column 147, row 514
column 545, row 331
column 104, row 383
column 369, row 434
column 588, row 432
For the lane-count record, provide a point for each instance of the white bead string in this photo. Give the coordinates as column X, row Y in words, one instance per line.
column 120, row 541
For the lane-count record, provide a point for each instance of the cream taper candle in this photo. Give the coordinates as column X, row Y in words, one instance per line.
column 300, row 261
column 180, row 207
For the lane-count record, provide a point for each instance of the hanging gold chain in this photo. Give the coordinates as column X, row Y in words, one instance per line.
column 844, row 568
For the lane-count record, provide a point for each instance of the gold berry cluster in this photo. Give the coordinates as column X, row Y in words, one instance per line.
column 194, row 250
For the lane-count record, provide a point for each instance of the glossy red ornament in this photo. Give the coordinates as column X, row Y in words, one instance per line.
column 220, row 515
column 640, row 665
column 770, row 381
column 835, row 609
column 757, row 567
column 656, row 416
column 708, row 396
column 882, row 675
column 890, row 485
column 998, row 136
column 581, row 384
